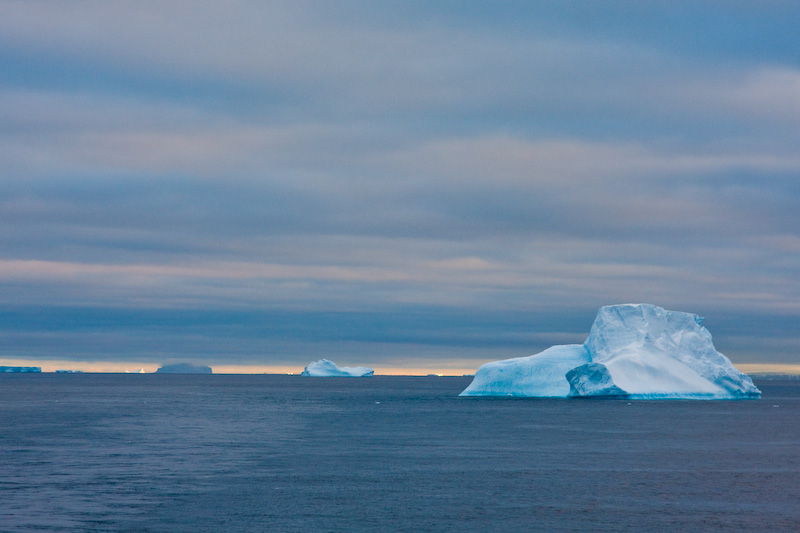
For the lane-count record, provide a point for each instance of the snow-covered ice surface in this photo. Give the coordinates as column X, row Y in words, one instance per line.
column 634, row 351
column 541, row 375
column 324, row 369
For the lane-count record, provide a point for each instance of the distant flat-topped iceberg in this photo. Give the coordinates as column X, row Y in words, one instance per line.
column 633, row 351
column 20, row 369
column 184, row 368
column 325, row 369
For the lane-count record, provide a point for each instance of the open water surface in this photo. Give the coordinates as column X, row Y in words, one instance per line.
column 99, row 452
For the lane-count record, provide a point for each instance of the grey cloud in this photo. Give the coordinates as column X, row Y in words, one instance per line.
column 365, row 71
column 325, row 157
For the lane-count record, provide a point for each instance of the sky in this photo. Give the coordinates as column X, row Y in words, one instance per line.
column 398, row 184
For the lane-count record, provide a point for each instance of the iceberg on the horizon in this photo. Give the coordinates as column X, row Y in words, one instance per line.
column 184, row 368
column 633, row 351
column 20, row 369
column 326, row 369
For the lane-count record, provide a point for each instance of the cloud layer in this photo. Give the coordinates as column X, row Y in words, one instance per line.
column 448, row 181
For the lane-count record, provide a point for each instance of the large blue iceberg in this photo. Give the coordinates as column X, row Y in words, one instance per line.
column 633, row 351
column 327, row 369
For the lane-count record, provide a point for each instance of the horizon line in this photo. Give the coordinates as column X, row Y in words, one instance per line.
column 116, row 367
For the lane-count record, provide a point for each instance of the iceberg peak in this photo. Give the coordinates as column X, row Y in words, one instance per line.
column 633, row 350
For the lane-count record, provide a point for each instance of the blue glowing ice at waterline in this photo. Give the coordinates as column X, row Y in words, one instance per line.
column 634, row 351
column 325, row 369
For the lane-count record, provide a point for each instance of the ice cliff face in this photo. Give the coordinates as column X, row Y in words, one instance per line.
column 633, row 351
column 324, row 368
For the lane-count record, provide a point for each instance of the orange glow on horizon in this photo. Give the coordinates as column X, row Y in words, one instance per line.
column 419, row 370
column 110, row 367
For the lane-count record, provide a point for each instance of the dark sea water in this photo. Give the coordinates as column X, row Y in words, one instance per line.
column 97, row 452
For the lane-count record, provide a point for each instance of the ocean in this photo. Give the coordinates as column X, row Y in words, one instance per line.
column 151, row 452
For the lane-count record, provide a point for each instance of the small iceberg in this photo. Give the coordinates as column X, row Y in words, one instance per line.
column 326, row 369
column 637, row 351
